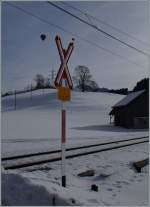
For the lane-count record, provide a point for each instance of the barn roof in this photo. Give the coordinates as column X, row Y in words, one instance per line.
column 125, row 101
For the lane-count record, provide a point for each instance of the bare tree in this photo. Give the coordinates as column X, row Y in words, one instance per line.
column 83, row 78
column 40, row 81
column 93, row 85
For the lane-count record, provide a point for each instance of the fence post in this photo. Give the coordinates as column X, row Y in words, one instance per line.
column 31, row 92
column 54, row 201
column 15, row 100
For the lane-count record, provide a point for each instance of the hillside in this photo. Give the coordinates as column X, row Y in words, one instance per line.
column 36, row 122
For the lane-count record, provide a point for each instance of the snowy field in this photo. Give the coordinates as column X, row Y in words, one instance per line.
column 35, row 126
column 117, row 181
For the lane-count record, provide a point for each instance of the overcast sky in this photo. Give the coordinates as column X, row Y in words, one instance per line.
column 24, row 54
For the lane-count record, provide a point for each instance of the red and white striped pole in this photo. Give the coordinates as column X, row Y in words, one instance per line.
column 63, row 146
column 63, row 141
column 63, row 79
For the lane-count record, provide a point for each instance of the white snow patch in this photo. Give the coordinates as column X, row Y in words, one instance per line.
column 19, row 190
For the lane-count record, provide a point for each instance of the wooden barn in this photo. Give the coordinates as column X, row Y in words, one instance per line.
column 132, row 111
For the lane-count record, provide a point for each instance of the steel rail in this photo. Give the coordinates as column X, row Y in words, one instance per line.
column 69, row 149
column 57, row 158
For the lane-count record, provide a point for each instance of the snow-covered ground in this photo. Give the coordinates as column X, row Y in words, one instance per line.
column 35, row 126
column 117, row 181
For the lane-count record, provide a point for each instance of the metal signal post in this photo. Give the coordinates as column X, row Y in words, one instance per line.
column 63, row 145
column 63, row 83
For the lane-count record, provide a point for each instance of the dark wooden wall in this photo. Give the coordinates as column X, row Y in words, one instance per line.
column 139, row 107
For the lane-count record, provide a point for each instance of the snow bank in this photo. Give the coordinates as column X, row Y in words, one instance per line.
column 19, row 190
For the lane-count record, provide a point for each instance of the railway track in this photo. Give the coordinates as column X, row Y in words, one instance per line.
column 27, row 160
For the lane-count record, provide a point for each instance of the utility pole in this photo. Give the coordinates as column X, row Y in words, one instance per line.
column 52, row 76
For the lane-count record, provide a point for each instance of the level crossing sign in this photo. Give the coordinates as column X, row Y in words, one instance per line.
column 64, row 84
column 63, row 78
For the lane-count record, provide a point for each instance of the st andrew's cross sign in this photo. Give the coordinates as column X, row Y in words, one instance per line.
column 64, row 84
column 63, row 74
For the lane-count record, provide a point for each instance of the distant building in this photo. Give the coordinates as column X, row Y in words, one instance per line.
column 132, row 111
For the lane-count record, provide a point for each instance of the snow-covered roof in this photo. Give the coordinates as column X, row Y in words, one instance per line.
column 125, row 101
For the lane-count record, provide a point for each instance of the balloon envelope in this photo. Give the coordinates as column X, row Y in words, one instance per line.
column 43, row 36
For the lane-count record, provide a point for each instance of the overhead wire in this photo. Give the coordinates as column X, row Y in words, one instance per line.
column 104, row 23
column 97, row 28
column 71, row 33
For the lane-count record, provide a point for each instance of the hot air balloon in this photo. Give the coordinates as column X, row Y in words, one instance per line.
column 43, row 37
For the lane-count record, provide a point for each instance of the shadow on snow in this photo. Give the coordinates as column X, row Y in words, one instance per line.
column 110, row 128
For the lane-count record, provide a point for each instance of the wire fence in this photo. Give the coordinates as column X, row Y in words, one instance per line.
column 18, row 99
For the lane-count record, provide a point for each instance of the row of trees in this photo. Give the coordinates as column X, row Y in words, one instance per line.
column 83, row 81
column 142, row 84
column 123, row 91
column 42, row 82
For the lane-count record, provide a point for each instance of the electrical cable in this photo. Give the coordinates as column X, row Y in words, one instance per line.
column 98, row 29
column 75, row 35
column 105, row 23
